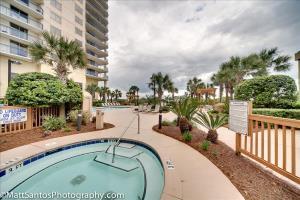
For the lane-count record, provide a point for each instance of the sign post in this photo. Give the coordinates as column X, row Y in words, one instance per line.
column 238, row 120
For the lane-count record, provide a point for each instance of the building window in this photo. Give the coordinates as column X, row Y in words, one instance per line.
column 55, row 30
column 18, row 48
column 78, row 31
column 78, row 20
column 55, row 17
column 78, row 9
column 56, row 4
column 18, row 13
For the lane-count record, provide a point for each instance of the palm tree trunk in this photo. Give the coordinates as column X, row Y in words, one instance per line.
column 221, row 92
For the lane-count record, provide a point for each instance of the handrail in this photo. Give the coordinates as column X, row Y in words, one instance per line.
column 121, row 136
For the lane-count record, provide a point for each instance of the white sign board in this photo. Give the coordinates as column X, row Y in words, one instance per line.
column 14, row 115
column 238, row 116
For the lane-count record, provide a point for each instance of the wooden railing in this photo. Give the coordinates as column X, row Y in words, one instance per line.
column 35, row 117
column 272, row 142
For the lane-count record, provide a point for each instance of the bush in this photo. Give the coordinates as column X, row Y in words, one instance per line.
column 166, row 123
column 187, row 137
column 51, row 123
column 219, row 107
column 86, row 116
column 276, row 91
column 67, row 129
column 40, row 89
column 165, row 109
column 296, row 105
column 284, row 113
column 97, row 103
column 205, row 145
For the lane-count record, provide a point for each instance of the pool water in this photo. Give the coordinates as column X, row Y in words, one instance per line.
column 110, row 108
column 76, row 171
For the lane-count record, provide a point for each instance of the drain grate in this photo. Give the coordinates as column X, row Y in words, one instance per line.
column 78, row 180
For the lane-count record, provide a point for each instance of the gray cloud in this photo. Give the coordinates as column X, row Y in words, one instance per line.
column 192, row 38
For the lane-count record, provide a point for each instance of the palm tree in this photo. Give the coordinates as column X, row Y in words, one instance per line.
column 162, row 83
column 152, row 85
column 193, row 85
column 108, row 93
column 172, row 89
column 217, row 81
column 59, row 53
column 92, row 89
column 117, row 93
column 135, row 91
column 211, row 123
column 102, row 92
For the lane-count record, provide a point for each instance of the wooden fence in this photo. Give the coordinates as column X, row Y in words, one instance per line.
column 35, row 117
column 272, row 141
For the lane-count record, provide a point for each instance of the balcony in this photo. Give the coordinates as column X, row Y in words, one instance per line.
column 96, row 75
column 97, row 21
column 18, row 19
column 16, row 34
column 31, row 8
column 96, row 58
column 96, row 7
column 97, row 32
column 98, row 68
column 15, row 52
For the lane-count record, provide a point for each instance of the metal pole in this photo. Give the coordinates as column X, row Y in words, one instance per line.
column 159, row 119
column 79, row 120
column 9, row 70
column 138, row 122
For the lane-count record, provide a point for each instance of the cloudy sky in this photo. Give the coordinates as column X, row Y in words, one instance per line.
column 192, row 38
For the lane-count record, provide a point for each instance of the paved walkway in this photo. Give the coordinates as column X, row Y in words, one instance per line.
column 193, row 178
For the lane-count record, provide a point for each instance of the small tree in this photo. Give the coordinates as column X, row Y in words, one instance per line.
column 41, row 89
column 211, row 123
column 92, row 89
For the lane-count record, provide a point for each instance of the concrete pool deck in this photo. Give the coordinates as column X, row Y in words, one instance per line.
column 194, row 176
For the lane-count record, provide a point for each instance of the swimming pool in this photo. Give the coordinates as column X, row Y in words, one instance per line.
column 85, row 167
column 109, row 108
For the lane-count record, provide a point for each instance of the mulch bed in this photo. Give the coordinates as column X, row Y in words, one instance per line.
column 253, row 182
column 12, row 140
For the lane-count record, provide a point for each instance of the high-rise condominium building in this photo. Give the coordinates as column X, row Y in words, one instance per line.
column 23, row 21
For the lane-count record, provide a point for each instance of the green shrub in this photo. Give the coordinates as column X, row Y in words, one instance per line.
column 51, row 123
column 86, row 116
column 40, row 89
column 67, row 129
column 296, row 105
column 97, row 103
column 187, row 136
column 284, row 113
column 166, row 123
column 276, row 91
column 205, row 145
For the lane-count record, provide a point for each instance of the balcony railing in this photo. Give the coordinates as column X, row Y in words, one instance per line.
column 17, row 33
column 96, row 74
column 9, row 12
column 19, row 51
column 32, row 6
column 102, row 68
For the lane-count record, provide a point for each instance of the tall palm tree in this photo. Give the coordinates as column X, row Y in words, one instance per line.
column 108, row 93
column 92, row 89
column 134, row 90
column 193, row 85
column 217, row 81
column 162, row 83
column 172, row 89
column 152, row 84
column 102, row 92
column 59, row 53
column 117, row 93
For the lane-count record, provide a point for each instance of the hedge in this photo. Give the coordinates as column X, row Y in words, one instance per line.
column 284, row 113
column 41, row 89
column 276, row 91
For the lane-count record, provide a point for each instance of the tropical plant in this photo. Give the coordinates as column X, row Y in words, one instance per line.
column 193, row 85
column 117, row 94
column 187, row 136
column 276, row 91
column 184, row 108
column 59, row 53
column 41, row 89
column 134, row 91
column 212, row 123
column 159, row 83
column 51, row 123
column 92, row 89
column 205, row 145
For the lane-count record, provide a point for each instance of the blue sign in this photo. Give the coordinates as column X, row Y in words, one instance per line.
column 15, row 115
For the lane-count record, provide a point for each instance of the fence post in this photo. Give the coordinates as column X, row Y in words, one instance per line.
column 29, row 118
column 238, row 140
